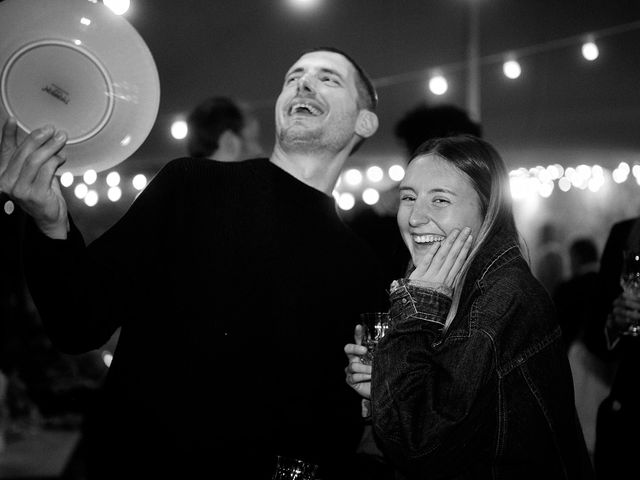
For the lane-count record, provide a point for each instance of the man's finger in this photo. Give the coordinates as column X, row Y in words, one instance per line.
column 23, row 155
column 9, row 142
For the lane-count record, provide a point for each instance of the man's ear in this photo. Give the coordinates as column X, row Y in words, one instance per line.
column 367, row 123
column 230, row 145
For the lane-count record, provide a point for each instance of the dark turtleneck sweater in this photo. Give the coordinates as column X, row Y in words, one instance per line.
column 236, row 287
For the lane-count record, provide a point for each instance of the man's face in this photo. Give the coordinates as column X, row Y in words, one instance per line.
column 317, row 108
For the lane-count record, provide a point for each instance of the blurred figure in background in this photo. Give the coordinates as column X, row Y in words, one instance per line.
column 575, row 301
column 425, row 122
column 548, row 259
column 377, row 224
column 574, row 296
column 618, row 422
column 221, row 129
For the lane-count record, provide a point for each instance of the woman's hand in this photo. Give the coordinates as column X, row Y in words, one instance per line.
column 358, row 375
column 444, row 260
column 27, row 175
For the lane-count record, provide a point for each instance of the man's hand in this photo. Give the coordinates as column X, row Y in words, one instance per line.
column 358, row 375
column 27, row 175
column 625, row 312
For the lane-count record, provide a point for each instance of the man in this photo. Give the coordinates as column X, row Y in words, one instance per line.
column 222, row 130
column 235, row 286
column 615, row 311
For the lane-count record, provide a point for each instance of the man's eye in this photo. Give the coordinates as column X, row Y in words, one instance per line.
column 329, row 80
column 441, row 201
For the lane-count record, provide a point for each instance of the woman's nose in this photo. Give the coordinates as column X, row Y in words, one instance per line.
column 419, row 215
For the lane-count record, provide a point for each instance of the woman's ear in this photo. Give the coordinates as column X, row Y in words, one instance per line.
column 367, row 123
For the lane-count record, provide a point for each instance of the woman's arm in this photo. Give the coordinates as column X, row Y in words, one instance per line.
column 424, row 389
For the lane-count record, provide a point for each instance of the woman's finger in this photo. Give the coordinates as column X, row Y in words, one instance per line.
column 424, row 265
column 459, row 261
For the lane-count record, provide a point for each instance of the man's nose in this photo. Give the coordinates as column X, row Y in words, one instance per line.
column 305, row 84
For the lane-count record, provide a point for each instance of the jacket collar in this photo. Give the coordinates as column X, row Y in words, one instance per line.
column 500, row 248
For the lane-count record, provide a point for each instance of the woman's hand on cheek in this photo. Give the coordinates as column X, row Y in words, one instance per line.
column 444, row 260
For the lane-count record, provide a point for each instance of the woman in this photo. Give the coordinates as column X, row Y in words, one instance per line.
column 472, row 379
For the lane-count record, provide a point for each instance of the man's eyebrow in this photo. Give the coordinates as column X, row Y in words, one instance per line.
column 322, row 70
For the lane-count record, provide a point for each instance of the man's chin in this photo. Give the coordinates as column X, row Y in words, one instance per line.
column 297, row 135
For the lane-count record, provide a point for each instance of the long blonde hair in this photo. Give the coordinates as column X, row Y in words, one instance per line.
column 486, row 171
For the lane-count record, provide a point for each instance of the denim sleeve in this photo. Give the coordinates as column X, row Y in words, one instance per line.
column 423, row 387
column 414, row 300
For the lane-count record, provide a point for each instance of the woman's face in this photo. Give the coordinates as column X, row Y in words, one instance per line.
column 435, row 198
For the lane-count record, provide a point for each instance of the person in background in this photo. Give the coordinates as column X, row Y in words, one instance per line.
column 617, row 426
column 220, row 129
column 575, row 298
column 425, row 122
column 472, row 378
column 548, row 257
column 377, row 224
column 218, row 275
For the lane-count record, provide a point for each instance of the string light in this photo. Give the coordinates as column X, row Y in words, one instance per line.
column 346, row 201
column 91, row 198
column 353, row 177
column 512, row 69
column 80, row 191
column 396, row 173
column 179, row 129
column 370, row 196
column 90, row 177
column 375, row 174
column 139, row 181
column 66, row 179
column 438, row 85
column 113, row 179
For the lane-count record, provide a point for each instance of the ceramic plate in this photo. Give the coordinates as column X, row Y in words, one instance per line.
column 78, row 66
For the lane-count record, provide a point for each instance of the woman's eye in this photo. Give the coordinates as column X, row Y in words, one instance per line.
column 406, row 198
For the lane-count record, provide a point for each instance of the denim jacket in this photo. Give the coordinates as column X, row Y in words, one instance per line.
column 492, row 397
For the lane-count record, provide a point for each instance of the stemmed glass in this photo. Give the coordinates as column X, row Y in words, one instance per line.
column 376, row 325
column 630, row 282
column 294, row 469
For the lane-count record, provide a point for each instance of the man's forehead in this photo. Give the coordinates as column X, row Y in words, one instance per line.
column 324, row 60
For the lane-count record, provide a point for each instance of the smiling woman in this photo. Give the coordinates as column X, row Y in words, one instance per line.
column 474, row 343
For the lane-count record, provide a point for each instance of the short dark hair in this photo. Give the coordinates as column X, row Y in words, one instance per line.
column 367, row 95
column 210, row 119
column 425, row 122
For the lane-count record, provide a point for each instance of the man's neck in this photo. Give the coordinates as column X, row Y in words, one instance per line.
column 319, row 171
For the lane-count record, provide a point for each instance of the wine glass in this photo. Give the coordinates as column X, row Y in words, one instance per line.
column 376, row 325
column 294, row 469
column 630, row 282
